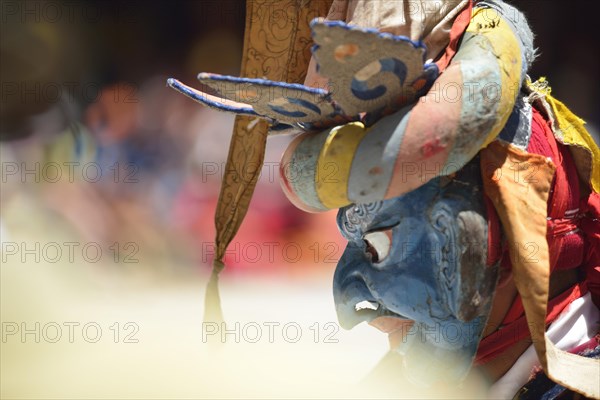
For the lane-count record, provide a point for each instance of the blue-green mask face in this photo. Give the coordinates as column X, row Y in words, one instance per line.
column 422, row 257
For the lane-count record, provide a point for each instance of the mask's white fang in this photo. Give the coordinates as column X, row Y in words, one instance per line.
column 366, row 305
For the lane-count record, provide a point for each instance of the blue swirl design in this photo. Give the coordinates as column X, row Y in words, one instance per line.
column 296, row 114
column 305, row 104
column 361, row 90
column 430, row 74
column 283, row 111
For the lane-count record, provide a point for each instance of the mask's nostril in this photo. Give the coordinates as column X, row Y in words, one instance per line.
column 366, row 305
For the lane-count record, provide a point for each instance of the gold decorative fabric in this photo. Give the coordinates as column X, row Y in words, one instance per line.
column 277, row 42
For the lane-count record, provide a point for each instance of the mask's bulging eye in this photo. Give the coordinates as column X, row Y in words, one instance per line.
column 378, row 245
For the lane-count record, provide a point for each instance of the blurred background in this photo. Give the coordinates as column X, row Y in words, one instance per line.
column 109, row 186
